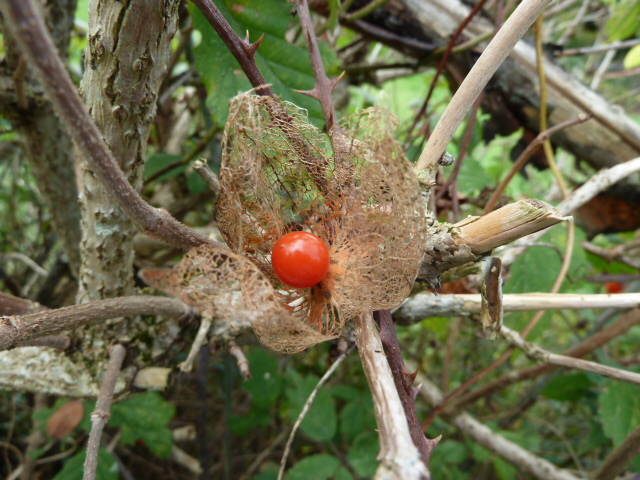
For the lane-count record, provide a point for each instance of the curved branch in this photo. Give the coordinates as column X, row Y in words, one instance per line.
column 17, row 330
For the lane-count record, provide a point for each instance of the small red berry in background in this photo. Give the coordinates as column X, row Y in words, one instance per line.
column 614, row 287
column 300, row 259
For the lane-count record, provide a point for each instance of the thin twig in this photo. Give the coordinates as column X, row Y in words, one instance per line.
column 243, row 364
column 537, row 353
column 102, row 413
column 441, row 65
column 404, row 384
column 617, row 460
column 36, row 44
column 19, row 329
column 364, row 11
column 307, row 406
column 201, row 168
column 597, row 48
column 425, row 305
column 582, row 349
column 198, row 342
column 544, row 107
column 493, row 56
column 324, row 86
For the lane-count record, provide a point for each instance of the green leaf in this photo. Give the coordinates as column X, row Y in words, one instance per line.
column 318, row 467
column 158, row 162
column 624, row 22
column 535, row 271
column 343, row 474
column 286, row 67
column 505, row 470
column 473, row 177
column 568, row 387
column 265, row 384
column 270, row 472
column 363, row 455
column 619, row 407
column 256, row 417
column 145, row 417
column 632, row 58
column 74, row 467
column 448, row 456
column 321, row 420
column 357, row 416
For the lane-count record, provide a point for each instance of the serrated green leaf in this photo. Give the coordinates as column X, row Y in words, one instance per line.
column 473, row 178
column 632, row 58
column 321, row 421
column 145, row 417
column 265, row 384
column 286, row 67
column 534, row 272
column 318, row 467
column 619, row 408
column 74, row 467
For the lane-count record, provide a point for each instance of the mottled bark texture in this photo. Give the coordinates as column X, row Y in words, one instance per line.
column 126, row 59
column 48, row 149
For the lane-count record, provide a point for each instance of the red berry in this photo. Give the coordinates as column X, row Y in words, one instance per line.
column 300, row 259
column 614, row 287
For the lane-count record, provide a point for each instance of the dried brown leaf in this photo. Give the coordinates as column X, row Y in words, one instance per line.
column 65, row 419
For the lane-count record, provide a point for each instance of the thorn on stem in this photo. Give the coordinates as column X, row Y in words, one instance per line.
column 333, row 83
column 412, row 376
column 311, row 93
column 252, row 48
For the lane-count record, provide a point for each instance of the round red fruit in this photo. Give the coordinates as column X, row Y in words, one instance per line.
column 614, row 287
column 300, row 259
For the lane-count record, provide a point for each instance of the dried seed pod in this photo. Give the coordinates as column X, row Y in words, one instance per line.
column 277, row 176
column 354, row 189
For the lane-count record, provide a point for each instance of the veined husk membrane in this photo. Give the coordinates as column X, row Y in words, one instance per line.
column 353, row 188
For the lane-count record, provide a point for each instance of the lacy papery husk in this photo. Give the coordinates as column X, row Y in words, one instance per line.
column 355, row 189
